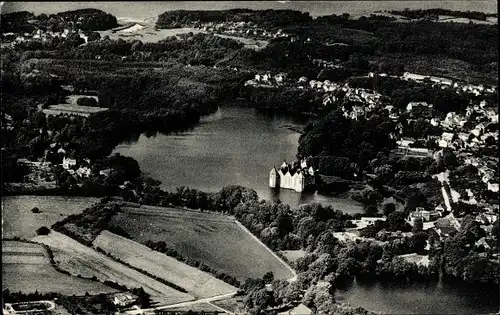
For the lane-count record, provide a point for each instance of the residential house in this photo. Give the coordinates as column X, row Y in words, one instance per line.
column 413, row 105
column 302, row 80
column 124, row 299
column 444, row 227
column 105, row 172
column 68, row 163
column 423, row 214
column 493, row 187
column 300, row 309
column 446, row 140
column 482, row 242
column 83, row 171
column 367, row 221
column 491, row 216
column 435, row 121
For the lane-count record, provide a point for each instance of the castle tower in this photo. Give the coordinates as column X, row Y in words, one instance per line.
column 300, row 182
column 303, row 164
column 273, row 178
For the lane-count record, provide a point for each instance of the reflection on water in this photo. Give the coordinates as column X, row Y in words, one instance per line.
column 234, row 146
column 425, row 298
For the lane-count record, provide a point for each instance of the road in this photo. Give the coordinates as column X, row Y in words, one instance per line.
column 206, row 300
column 443, row 177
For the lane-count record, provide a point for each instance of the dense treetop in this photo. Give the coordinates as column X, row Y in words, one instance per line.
column 176, row 18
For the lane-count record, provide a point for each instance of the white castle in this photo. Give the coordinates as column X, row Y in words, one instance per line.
column 296, row 177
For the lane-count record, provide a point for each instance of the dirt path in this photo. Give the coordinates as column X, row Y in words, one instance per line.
column 206, row 300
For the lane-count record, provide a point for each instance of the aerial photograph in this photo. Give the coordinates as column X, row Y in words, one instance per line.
column 250, row 157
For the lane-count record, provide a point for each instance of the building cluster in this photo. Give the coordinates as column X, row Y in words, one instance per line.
column 445, row 82
column 267, row 80
column 41, row 35
column 296, row 176
column 43, row 170
column 326, row 64
column 241, row 29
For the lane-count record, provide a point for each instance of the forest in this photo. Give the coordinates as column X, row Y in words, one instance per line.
column 269, row 18
column 84, row 19
column 422, row 13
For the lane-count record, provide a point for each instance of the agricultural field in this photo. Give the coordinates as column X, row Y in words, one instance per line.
column 198, row 283
column 234, row 305
column 19, row 221
column 26, row 267
column 144, row 31
column 72, row 110
column 216, row 240
column 88, row 262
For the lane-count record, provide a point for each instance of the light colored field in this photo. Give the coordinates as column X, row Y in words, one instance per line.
column 72, row 109
column 26, row 267
column 416, row 259
column 196, row 282
column 293, row 255
column 146, row 32
column 447, row 18
column 104, row 268
column 213, row 239
column 18, row 220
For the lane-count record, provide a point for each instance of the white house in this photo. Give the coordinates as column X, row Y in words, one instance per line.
column 68, row 163
column 301, row 309
column 123, row 299
column 493, row 187
column 83, row 172
column 412, row 105
column 302, row 80
column 367, row 221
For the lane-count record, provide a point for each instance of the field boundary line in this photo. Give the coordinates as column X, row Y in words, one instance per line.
column 292, row 279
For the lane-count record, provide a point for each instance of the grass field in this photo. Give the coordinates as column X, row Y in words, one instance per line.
column 26, row 267
column 213, row 239
column 84, row 259
column 293, row 255
column 198, row 283
column 72, row 109
column 18, row 220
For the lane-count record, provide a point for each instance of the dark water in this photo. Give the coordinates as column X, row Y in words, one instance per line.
column 233, row 146
column 145, row 9
column 436, row 298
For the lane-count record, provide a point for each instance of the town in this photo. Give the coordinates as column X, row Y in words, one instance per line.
column 113, row 147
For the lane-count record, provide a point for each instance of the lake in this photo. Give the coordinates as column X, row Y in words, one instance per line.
column 141, row 10
column 234, row 146
column 435, row 298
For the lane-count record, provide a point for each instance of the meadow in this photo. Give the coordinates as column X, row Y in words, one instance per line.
column 19, row 221
column 72, row 110
column 198, row 283
column 216, row 240
column 88, row 262
column 26, row 267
